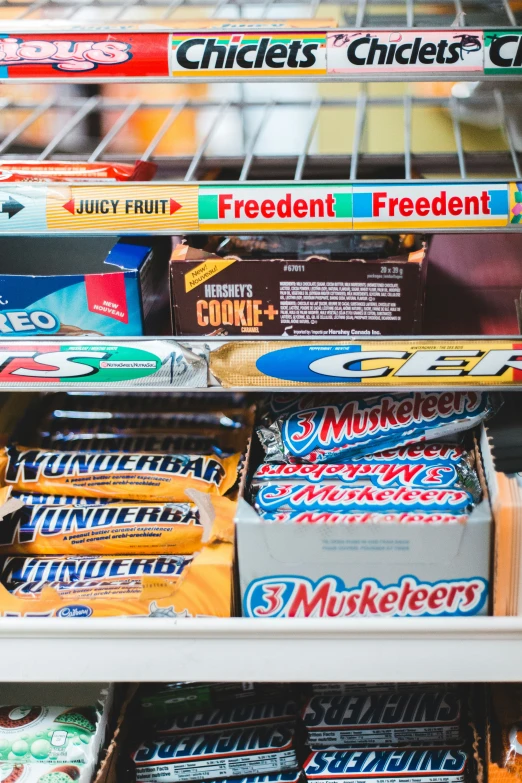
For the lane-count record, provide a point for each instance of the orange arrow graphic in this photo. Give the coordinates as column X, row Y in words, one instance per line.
column 69, row 206
column 174, row 206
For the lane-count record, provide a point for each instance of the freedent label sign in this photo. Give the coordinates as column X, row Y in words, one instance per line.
column 433, row 205
column 248, row 53
column 267, row 207
column 408, row 52
column 503, row 53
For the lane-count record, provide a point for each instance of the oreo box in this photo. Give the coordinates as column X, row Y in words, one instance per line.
column 71, row 286
column 310, row 565
column 295, row 286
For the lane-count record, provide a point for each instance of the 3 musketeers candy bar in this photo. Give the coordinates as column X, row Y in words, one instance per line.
column 333, row 433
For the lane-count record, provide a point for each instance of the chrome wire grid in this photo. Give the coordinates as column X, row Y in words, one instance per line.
column 231, row 134
column 358, row 13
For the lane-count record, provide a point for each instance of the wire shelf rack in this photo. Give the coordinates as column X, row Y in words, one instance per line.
column 357, row 13
column 230, row 134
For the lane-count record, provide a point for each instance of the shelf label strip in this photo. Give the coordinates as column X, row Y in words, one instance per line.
column 408, row 52
column 142, row 363
column 75, row 55
column 503, row 53
column 149, row 207
column 381, row 363
column 246, row 53
column 127, row 208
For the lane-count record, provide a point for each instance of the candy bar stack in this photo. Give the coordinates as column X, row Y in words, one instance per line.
column 240, row 732
column 104, row 507
column 406, row 733
column 392, row 458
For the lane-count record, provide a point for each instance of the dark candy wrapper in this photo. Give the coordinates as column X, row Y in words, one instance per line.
column 385, row 719
column 230, row 753
column 409, row 766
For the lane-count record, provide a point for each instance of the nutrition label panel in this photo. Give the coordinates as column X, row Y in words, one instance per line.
column 310, row 303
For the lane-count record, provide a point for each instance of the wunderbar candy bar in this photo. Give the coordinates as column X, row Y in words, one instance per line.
column 139, row 476
column 230, row 716
column 408, row 766
column 119, row 529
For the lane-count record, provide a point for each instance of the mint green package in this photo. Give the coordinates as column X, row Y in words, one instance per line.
column 48, row 735
column 43, row 773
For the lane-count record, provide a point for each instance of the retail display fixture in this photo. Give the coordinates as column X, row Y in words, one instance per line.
column 245, row 188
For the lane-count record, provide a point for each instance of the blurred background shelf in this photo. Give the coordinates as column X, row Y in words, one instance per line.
column 350, row 13
column 239, row 133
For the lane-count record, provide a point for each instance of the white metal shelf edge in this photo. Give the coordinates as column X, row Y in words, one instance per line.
column 364, row 650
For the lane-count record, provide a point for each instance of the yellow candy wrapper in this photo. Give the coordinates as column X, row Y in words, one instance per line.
column 201, row 587
column 193, row 585
column 112, row 529
column 163, row 478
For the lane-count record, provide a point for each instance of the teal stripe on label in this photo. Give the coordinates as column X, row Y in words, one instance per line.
column 343, row 205
column 208, row 207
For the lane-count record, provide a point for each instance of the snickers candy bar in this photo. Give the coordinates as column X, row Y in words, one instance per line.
column 349, row 688
column 216, row 755
column 178, row 698
column 295, row 776
column 379, row 474
column 358, row 498
column 383, row 719
column 335, row 433
column 227, row 717
column 408, row 766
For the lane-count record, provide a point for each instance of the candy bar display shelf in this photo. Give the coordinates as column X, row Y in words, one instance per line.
column 197, row 188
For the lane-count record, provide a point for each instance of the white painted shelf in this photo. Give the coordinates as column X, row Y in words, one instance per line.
column 366, row 650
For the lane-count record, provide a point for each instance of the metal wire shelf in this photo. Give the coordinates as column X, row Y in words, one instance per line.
column 356, row 13
column 231, row 136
